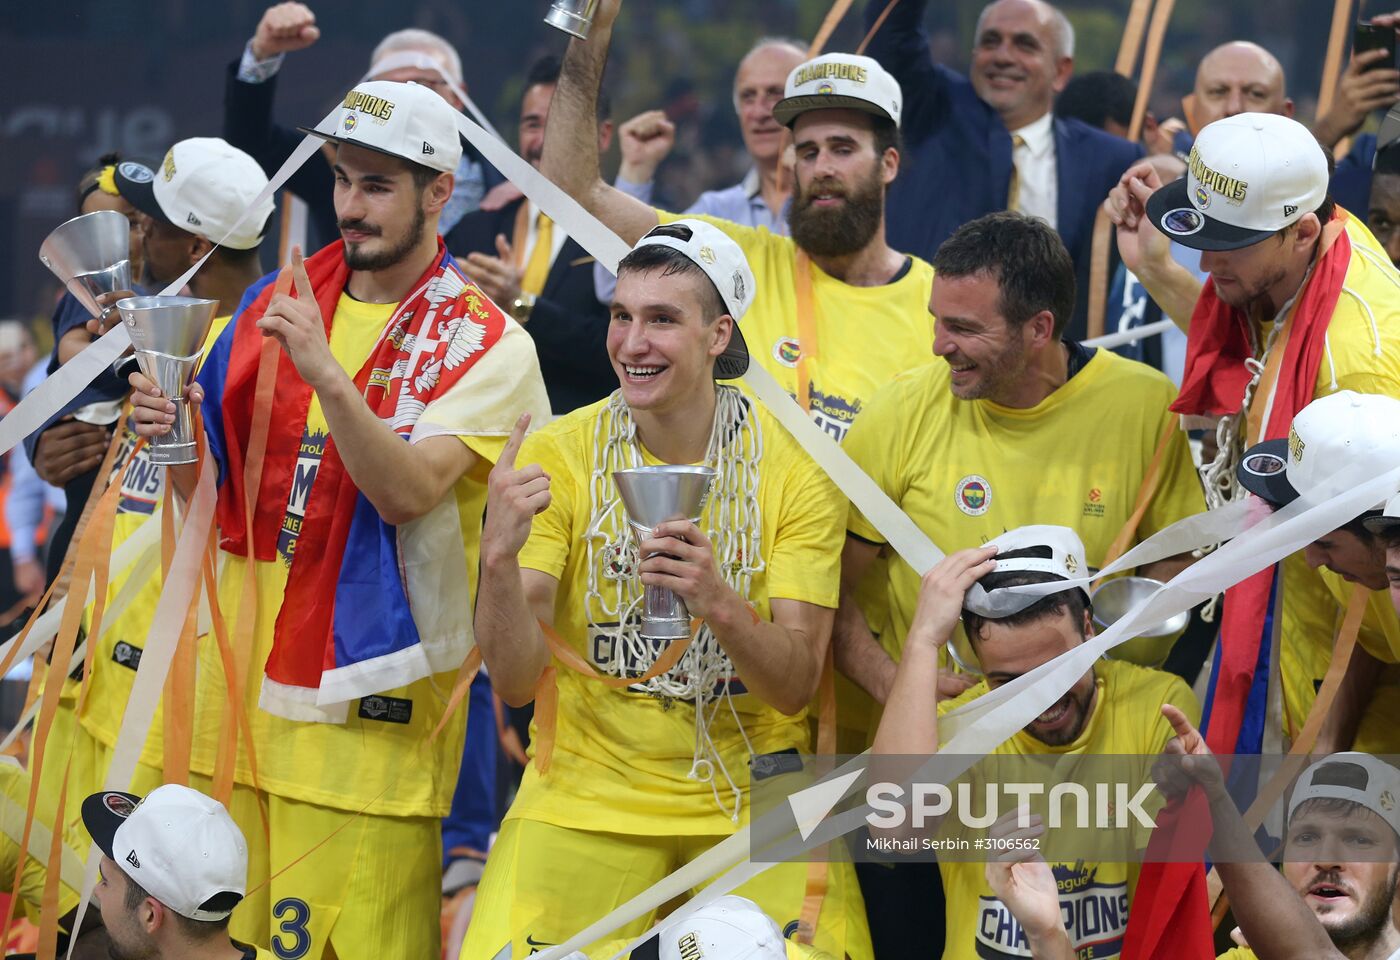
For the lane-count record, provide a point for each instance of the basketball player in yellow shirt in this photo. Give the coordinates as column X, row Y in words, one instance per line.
column 1112, row 709
column 342, row 811
column 630, row 781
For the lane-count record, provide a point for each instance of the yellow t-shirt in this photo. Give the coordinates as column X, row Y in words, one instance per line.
column 1314, row 602
column 1126, row 720
column 621, row 758
column 968, row 470
column 1238, row 953
column 123, row 637
column 14, row 785
column 865, row 335
column 1363, row 336
column 381, row 750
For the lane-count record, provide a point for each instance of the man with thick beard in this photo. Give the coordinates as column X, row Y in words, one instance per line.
column 1334, row 898
column 837, row 312
column 394, row 388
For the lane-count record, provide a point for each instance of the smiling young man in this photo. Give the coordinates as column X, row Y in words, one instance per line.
column 1334, row 431
column 638, row 768
column 396, row 384
column 838, row 312
column 1113, row 709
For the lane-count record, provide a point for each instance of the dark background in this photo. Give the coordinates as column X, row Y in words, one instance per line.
column 82, row 77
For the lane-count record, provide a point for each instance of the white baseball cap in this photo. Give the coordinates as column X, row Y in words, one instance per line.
column 722, row 260
column 730, row 928
column 403, row 120
column 180, row 846
column 1358, row 777
column 1328, row 433
column 203, row 186
column 840, row 80
column 1247, row 177
column 1066, row 561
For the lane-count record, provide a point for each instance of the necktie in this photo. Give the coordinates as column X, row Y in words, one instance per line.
column 537, row 269
column 1013, row 192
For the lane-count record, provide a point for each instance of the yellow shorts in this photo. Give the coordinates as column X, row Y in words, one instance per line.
column 372, row 890
column 69, row 747
column 544, row 883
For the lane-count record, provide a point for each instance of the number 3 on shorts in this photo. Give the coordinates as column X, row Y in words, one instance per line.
column 294, row 940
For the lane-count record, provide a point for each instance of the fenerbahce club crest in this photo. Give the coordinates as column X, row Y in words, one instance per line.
column 974, row 495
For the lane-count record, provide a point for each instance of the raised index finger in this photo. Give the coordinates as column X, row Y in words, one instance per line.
column 1179, row 723
column 299, row 277
column 513, row 442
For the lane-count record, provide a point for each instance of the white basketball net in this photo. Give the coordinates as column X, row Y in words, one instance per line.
column 733, row 523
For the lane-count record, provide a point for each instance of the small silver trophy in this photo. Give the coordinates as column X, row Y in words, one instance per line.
column 168, row 335
column 91, row 256
column 653, row 495
column 574, row 17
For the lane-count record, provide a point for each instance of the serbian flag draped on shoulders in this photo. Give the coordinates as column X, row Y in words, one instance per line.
column 368, row 606
column 1171, row 915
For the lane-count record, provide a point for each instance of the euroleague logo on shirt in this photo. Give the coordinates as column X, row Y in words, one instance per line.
column 974, row 495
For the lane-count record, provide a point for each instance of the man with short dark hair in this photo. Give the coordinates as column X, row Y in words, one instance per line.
column 1112, row 709
column 1102, row 99
column 646, row 761
column 838, row 311
column 1012, row 398
column 395, row 382
column 174, row 867
column 989, row 140
column 537, row 273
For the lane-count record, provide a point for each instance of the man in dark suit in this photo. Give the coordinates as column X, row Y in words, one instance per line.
column 537, row 273
column 990, row 141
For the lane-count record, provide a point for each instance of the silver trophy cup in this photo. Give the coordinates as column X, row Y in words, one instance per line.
column 653, row 495
column 91, row 256
column 574, row 17
column 168, row 335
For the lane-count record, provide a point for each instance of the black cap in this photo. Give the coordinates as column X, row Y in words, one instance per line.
column 1171, row 210
column 1263, row 471
column 104, row 812
column 135, row 180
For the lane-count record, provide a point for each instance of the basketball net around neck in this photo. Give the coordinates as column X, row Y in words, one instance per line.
column 733, row 522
